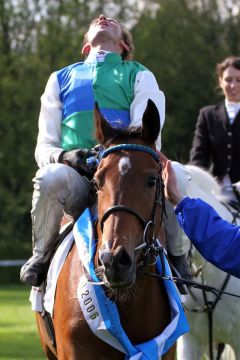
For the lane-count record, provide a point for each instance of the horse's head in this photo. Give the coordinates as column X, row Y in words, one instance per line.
column 128, row 181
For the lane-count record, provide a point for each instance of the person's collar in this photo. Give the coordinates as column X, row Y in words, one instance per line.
column 232, row 109
column 97, row 55
column 232, row 105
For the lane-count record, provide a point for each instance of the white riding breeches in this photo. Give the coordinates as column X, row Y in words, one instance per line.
column 57, row 189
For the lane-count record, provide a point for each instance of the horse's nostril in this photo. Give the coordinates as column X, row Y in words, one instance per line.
column 123, row 258
column 106, row 259
column 118, row 259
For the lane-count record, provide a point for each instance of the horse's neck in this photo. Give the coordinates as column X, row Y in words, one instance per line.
column 203, row 182
column 148, row 296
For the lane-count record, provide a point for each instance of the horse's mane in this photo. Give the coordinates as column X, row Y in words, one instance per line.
column 196, row 182
column 204, row 179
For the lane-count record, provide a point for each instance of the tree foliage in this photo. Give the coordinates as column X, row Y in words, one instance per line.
column 181, row 43
column 179, row 40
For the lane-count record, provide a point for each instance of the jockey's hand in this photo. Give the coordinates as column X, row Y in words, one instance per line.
column 77, row 160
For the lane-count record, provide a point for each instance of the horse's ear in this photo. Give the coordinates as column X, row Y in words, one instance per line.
column 151, row 124
column 103, row 130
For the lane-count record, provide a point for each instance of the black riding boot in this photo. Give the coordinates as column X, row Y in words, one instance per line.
column 33, row 272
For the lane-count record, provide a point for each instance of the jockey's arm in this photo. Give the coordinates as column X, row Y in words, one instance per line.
column 49, row 147
column 146, row 88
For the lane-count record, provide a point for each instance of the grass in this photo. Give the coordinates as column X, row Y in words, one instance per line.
column 19, row 338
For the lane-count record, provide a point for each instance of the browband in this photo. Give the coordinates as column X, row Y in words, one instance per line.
column 134, row 147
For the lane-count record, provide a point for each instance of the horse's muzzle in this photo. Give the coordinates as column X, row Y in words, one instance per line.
column 119, row 269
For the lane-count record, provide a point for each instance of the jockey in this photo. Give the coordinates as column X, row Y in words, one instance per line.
column 121, row 88
column 216, row 239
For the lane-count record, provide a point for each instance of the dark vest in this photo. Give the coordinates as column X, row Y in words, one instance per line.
column 216, row 143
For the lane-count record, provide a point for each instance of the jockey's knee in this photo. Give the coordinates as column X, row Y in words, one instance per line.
column 51, row 178
column 62, row 184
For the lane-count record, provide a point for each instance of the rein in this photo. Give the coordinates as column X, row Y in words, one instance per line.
column 209, row 305
column 158, row 199
column 194, row 284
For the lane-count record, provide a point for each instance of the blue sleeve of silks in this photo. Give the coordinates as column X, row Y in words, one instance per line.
column 216, row 239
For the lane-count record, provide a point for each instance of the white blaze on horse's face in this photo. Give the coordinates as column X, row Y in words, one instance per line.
column 124, row 165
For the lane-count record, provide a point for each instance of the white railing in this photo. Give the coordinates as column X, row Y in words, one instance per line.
column 6, row 263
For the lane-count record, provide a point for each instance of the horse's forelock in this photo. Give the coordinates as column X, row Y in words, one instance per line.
column 124, row 135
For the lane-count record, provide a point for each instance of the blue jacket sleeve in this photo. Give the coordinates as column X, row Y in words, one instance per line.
column 216, row 239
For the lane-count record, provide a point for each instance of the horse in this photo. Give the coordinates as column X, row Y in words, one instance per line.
column 129, row 198
column 209, row 330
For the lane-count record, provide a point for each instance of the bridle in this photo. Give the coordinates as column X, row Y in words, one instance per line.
column 150, row 246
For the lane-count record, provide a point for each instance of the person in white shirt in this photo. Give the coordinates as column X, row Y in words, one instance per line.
column 216, row 143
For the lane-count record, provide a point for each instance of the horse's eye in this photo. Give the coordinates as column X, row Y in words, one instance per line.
column 152, row 181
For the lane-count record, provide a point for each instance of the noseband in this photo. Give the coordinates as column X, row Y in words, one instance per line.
column 158, row 199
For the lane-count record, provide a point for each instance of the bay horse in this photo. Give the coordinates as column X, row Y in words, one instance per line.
column 130, row 206
column 196, row 182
